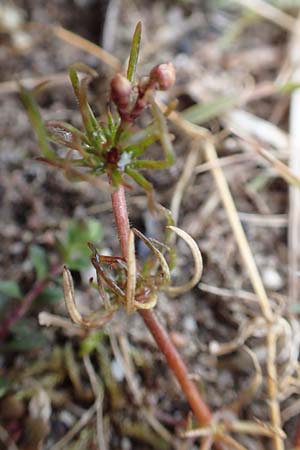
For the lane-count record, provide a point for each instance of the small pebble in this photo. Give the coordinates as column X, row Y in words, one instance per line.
column 272, row 279
column 189, row 324
column 117, row 370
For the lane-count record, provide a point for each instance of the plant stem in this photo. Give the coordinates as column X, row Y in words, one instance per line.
column 174, row 360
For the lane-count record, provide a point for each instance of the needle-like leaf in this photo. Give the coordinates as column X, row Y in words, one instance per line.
column 134, row 52
column 37, row 122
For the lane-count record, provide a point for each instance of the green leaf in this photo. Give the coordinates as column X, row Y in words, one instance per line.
column 289, row 87
column 74, row 80
column 91, row 343
column 10, row 288
column 25, row 337
column 39, row 260
column 37, row 122
column 51, row 294
column 74, row 248
column 94, row 230
column 201, row 113
column 134, row 52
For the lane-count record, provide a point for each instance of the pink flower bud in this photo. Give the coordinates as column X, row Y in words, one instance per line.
column 164, row 75
column 121, row 90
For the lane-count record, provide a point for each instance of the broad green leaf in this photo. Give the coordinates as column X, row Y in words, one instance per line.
column 134, row 52
column 37, row 122
column 201, row 113
column 10, row 288
column 39, row 260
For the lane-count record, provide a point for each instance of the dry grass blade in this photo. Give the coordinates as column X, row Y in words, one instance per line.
column 207, row 443
column 247, row 395
column 220, row 349
column 252, row 428
column 239, row 233
column 231, row 443
column 294, row 192
column 278, row 166
column 272, row 386
column 82, row 422
column 184, row 180
column 98, row 392
column 51, row 320
column 198, row 263
column 84, row 44
column 269, row 12
column 9, row 87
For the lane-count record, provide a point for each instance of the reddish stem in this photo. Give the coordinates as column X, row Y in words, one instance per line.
column 22, row 309
column 160, row 335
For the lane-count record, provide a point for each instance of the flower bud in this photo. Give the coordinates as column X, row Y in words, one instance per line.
column 164, row 75
column 121, row 90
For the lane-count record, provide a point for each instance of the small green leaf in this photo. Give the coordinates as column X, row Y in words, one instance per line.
column 201, row 113
column 74, row 80
column 51, row 294
column 289, row 87
column 25, row 337
column 94, row 230
column 134, row 52
column 37, row 122
column 91, row 343
column 10, row 288
column 39, row 260
column 74, row 248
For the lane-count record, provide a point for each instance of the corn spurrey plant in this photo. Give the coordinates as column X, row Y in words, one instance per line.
column 114, row 146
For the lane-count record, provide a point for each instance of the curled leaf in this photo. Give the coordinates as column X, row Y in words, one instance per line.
column 157, row 253
column 175, row 290
column 75, row 315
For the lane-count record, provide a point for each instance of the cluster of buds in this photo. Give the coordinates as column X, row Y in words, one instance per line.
column 131, row 100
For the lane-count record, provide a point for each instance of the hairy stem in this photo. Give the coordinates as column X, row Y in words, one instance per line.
column 174, row 360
